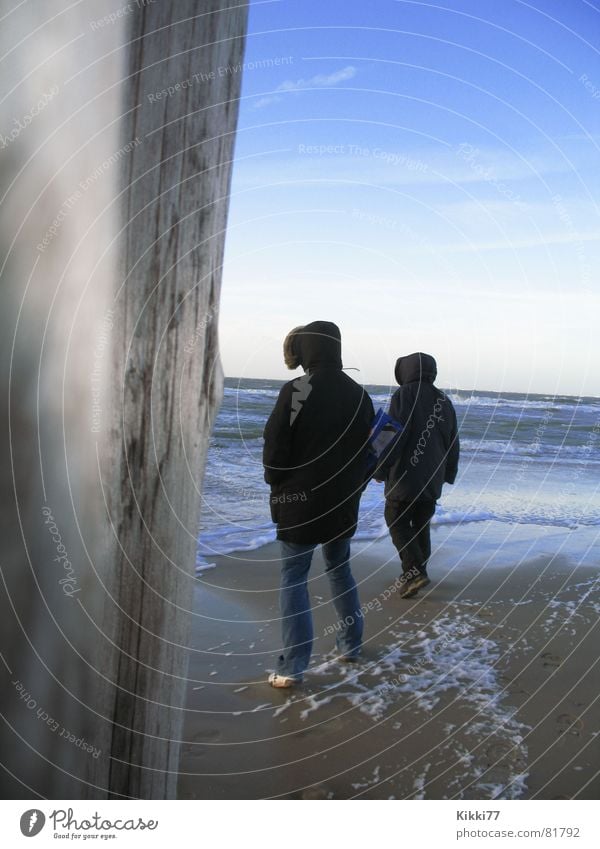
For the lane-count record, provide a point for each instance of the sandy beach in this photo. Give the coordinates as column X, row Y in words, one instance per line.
column 486, row 685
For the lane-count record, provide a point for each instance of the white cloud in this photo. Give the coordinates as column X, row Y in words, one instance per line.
column 266, row 101
column 320, row 80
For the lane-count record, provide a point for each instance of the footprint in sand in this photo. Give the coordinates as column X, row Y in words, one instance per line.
column 498, row 751
column 569, row 724
column 336, row 723
column 551, row 660
column 499, row 774
column 503, row 753
column 300, row 735
column 512, row 686
column 207, row 736
column 319, row 791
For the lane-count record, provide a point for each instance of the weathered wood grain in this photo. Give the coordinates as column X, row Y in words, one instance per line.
column 113, row 215
column 58, row 122
column 168, row 375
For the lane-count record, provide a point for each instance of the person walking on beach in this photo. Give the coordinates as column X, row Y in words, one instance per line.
column 315, row 458
column 424, row 457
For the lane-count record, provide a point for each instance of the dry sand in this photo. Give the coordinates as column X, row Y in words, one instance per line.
column 486, row 685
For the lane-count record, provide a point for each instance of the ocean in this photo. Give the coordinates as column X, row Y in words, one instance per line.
column 529, row 459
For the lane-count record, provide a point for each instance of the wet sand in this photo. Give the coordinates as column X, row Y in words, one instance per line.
column 486, row 685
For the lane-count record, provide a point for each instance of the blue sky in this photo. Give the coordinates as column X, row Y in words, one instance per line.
column 426, row 176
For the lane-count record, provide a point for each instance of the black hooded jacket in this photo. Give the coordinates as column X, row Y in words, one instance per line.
column 315, row 449
column 426, row 455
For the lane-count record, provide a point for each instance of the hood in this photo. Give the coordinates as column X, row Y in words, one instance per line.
column 416, row 368
column 313, row 345
column 291, row 354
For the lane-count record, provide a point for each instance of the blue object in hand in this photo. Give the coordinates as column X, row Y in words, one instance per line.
column 384, row 431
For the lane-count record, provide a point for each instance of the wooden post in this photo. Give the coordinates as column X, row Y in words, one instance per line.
column 58, row 178
column 181, row 95
column 114, row 190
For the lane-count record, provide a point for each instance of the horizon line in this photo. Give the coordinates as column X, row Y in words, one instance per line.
column 447, row 389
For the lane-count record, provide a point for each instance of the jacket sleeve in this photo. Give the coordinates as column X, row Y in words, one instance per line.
column 277, row 448
column 400, row 409
column 453, row 451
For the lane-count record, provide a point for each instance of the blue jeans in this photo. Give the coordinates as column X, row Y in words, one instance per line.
column 296, row 616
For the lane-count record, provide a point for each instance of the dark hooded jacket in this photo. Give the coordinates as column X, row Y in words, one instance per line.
column 315, row 450
column 426, row 455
